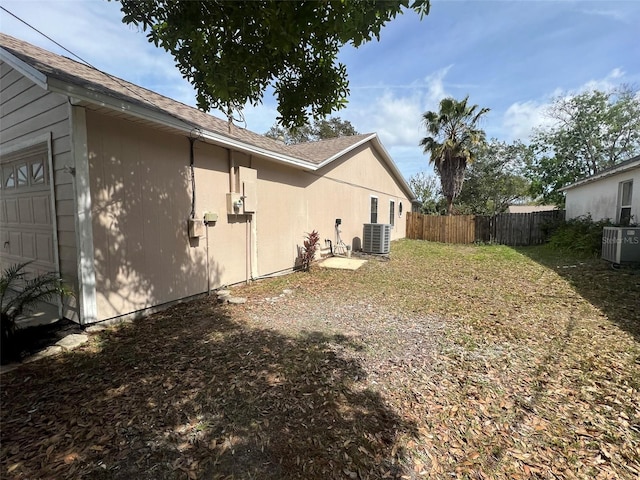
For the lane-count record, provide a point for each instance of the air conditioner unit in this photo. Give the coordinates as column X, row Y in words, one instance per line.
column 621, row 244
column 376, row 238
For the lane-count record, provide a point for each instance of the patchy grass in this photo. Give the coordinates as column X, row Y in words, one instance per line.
column 443, row 362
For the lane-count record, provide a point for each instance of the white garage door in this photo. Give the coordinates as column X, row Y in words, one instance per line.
column 26, row 225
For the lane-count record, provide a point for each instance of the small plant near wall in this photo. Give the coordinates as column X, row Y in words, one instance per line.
column 20, row 295
column 308, row 253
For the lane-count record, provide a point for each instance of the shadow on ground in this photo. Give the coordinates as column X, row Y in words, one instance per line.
column 193, row 393
column 614, row 291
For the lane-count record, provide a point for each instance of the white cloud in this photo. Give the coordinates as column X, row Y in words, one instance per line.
column 521, row 118
column 396, row 113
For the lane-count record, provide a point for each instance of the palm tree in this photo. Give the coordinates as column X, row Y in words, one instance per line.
column 452, row 142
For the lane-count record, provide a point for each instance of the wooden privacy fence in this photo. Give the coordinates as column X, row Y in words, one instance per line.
column 504, row 228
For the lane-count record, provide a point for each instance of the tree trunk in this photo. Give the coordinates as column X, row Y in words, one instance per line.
column 449, row 205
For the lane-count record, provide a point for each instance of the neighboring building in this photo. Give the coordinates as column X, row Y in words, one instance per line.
column 609, row 194
column 101, row 179
column 530, row 208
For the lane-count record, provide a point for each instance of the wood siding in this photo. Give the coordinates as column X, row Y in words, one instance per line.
column 28, row 112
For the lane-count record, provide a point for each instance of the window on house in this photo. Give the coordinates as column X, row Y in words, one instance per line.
column 23, row 175
column 37, row 172
column 625, row 194
column 392, row 212
column 374, row 209
column 8, row 177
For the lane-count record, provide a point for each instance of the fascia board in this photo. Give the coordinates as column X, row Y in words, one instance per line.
column 107, row 101
column 596, row 177
column 258, row 151
column 25, row 69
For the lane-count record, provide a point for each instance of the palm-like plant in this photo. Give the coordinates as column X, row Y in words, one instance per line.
column 20, row 294
column 453, row 140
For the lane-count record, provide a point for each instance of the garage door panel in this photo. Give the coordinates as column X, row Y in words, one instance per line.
column 28, row 243
column 12, row 210
column 25, row 210
column 43, row 243
column 41, row 210
column 15, row 241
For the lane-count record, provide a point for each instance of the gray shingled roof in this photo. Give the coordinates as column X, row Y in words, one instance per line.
column 75, row 73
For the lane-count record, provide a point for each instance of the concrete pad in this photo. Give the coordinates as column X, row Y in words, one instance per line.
column 72, row 341
column 342, row 263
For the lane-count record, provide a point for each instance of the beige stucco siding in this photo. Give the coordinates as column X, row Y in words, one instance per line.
column 352, row 181
column 29, row 112
column 600, row 198
column 141, row 196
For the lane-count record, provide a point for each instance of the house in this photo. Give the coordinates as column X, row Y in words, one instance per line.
column 140, row 201
column 607, row 195
column 530, row 208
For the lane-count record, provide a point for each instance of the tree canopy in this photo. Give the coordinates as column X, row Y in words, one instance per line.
column 452, row 142
column 427, row 193
column 232, row 51
column 495, row 179
column 318, row 130
column 591, row 131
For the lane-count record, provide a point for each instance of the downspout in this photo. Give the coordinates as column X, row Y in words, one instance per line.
column 193, row 176
column 254, row 235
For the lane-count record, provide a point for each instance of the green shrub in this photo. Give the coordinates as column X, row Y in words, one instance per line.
column 20, row 294
column 581, row 236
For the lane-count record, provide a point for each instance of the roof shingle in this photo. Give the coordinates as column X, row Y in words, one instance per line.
column 75, row 73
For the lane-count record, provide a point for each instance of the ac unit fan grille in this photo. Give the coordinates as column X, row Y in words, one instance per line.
column 376, row 238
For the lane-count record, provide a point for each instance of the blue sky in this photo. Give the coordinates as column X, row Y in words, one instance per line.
column 511, row 56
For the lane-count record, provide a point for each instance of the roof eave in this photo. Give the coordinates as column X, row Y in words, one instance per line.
column 596, row 177
column 24, row 68
column 385, row 155
column 85, row 95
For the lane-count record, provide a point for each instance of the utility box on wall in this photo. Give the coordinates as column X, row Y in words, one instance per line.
column 234, row 204
column 196, row 228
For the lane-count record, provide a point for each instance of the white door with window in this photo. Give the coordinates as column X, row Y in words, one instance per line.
column 26, row 223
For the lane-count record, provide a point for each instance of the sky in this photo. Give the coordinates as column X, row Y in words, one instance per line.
column 512, row 56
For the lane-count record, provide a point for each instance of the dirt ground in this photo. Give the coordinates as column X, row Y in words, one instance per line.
column 442, row 362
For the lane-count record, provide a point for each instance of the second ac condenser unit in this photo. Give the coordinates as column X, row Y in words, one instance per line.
column 621, row 244
column 376, row 238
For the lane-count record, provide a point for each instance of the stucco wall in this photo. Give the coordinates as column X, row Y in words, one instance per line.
column 141, row 200
column 600, row 198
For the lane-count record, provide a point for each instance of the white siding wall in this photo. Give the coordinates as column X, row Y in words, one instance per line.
column 600, row 198
column 27, row 112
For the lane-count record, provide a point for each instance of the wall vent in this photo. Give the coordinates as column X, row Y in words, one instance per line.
column 621, row 244
column 376, row 238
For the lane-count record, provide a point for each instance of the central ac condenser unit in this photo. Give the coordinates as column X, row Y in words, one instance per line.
column 621, row 244
column 376, row 238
